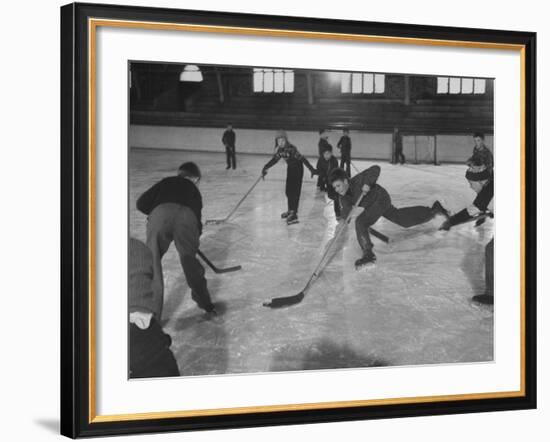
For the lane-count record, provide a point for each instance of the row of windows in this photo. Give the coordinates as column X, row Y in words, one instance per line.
column 282, row 81
column 456, row 85
column 273, row 80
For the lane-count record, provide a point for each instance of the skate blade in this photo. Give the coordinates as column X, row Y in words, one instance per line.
column 368, row 266
column 292, row 222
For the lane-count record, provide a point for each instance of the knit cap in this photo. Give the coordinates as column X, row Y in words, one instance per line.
column 281, row 134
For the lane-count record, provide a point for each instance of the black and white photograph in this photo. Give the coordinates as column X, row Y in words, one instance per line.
column 285, row 219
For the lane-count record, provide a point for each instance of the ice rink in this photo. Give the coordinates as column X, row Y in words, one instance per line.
column 413, row 307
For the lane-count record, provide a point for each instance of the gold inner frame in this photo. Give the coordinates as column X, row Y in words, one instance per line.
column 93, row 24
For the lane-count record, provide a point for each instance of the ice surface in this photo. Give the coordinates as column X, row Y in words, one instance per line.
column 413, row 307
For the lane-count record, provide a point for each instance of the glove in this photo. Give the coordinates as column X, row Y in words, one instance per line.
column 264, row 172
column 314, row 172
column 457, row 218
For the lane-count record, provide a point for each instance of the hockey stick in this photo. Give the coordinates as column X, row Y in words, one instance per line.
column 223, row 220
column 286, row 301
column 216, row 269
column 478, row 218
column 379, row 235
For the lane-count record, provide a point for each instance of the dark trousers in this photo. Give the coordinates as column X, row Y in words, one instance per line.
column 336, row 201
column 230, row 156
column 399, row 157
column 150, row 354
column 489, row 267
column 174, row 222
column 404, row 217
column 293, row 188
column 345, row 163
column 323, row 182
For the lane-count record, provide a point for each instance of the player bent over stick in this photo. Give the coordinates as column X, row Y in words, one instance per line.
column 481, row 181
column 174, row 206
column 294, row 173
column 375, row 203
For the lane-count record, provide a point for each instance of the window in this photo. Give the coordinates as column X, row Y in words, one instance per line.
column 362, row 83
column 273, row 80
column 456, row 85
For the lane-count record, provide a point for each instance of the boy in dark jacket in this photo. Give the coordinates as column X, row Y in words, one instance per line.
column 150, row 354
column 174, row 206
column 325, row 166
column 481, row 155
column 228, row 140
column 345, row 151
column 322, row 146
column 375, row 203
column 294, row 173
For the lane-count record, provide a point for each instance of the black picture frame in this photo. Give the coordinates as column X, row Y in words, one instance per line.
column 76, row 403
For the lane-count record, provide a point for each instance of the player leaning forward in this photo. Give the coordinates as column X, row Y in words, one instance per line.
column 294, row 173
column 375, row 203
column 174, row 206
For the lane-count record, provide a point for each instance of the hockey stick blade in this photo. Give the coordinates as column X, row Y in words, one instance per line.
column 285, row 301
column 226, row 270
column 216, row 269
column 379, row 235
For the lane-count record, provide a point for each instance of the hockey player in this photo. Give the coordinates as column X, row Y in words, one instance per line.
column 322, row 146
column 325, row 166
column 294, row 174
column 398, row 156
column 375, row 203
column 228, row 140
column 481, row 155
column 174, row 206
column 481, row 181
column 344, row 144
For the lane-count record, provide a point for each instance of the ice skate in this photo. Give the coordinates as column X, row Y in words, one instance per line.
column 284, row 215
column 367, row 260
column 292, row 218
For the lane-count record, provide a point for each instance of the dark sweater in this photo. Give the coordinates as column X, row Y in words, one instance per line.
column 290, row 154
column 368, row 176
column 345, row 146
column 228, row 138
column 482, row 156
column 140, row 277
column 175, row 189
column 323, row 146
column 324, row 167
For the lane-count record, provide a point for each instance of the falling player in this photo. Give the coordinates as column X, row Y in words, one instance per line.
column 375, row 203
column 294, row 173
